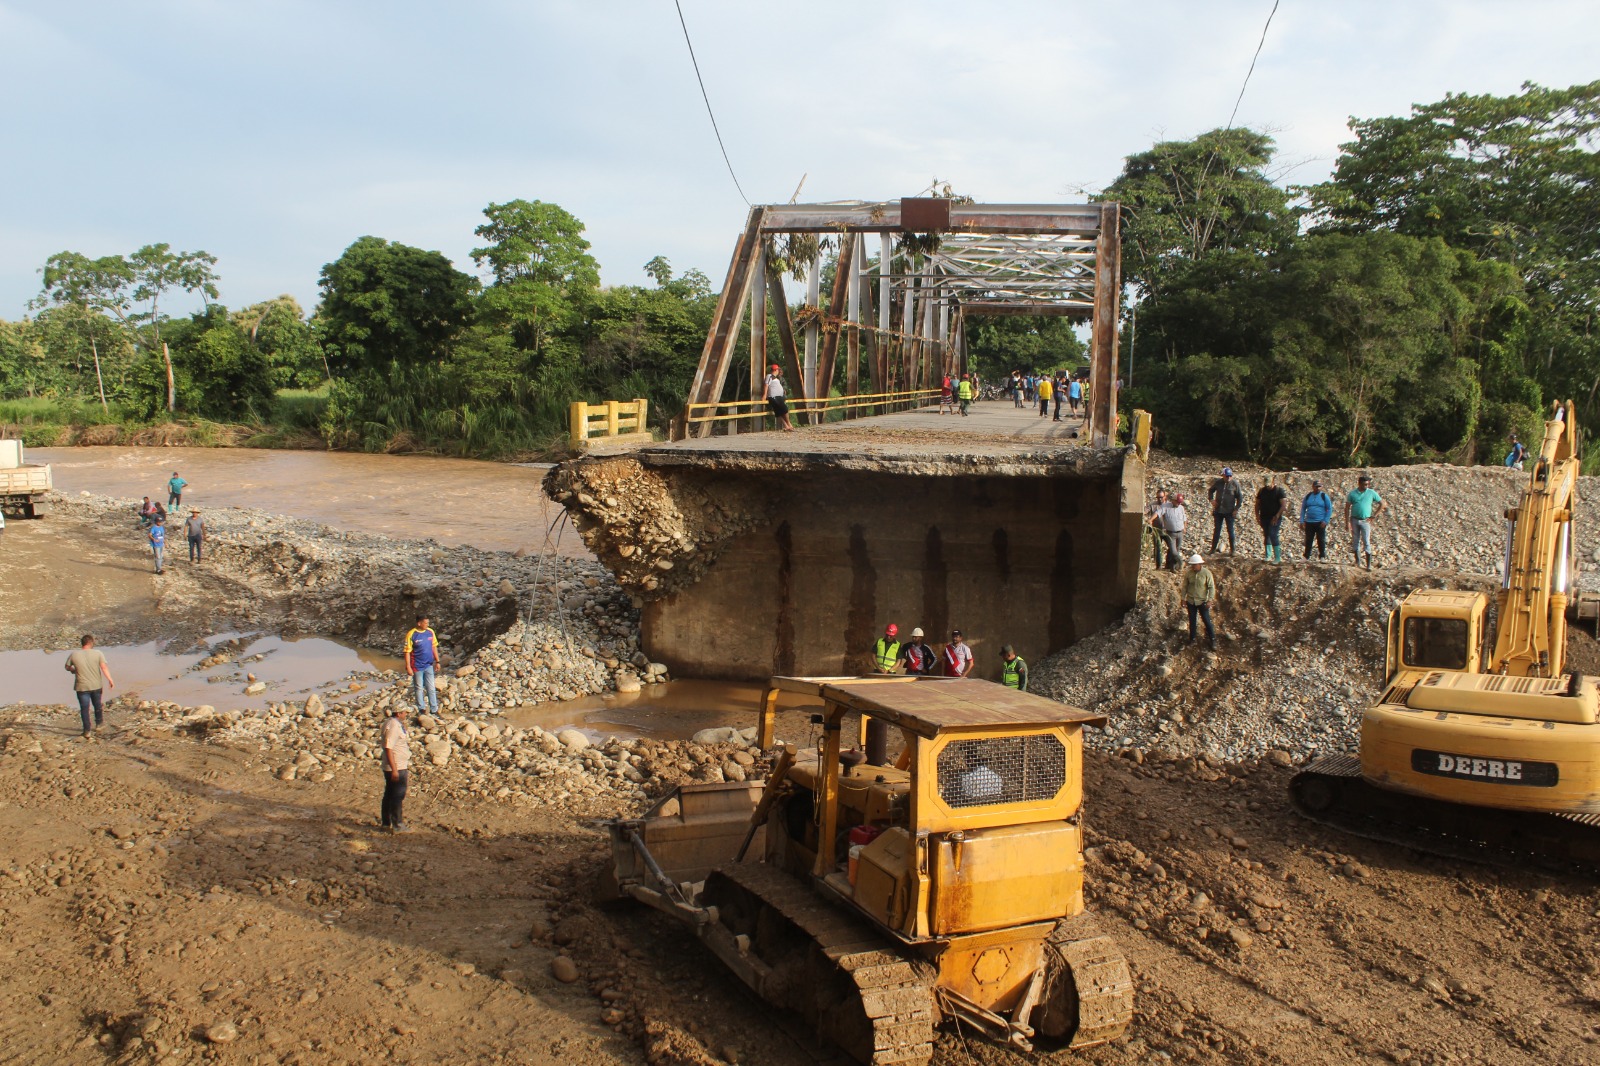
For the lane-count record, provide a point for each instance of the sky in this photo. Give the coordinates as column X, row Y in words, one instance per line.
column 273, row 135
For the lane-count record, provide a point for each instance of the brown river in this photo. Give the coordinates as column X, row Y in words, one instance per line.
column 495, row 506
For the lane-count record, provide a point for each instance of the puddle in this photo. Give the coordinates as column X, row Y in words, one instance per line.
column 291, row 668
column 672, row 711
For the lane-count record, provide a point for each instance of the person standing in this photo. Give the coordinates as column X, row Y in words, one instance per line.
column 1045, row 391
column 1361, row 505
column 1226, row 499
column 916, row 657
column 886, row 650
column 1173, row 517
column 1199, row 589
column 1013, row 670
column 1315, row 510
column 1517, row 455
column 1074, row 395
column 194, row 528
column 394, row 748
column 1152, row 523
column 158, row 543
column 772, row 391
column 1270, row 504
column 88, row 668
column 175, row 486
column 422, row 659
column 957, row 657
column 2, row 523
column 1016, row 388
column 964, row 393
column 1058, row 389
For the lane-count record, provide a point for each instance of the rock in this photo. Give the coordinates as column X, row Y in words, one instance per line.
column 465, row 969
column 313, row 707
column 721, row 734
column 255, row 688
column 1240, row 938
column 221, row 1033
column 1433, row 985
column 506, row 588
column 628, row 683
column 288, row 773
column 572, row 740
column 563, row 969
column 1279, row 757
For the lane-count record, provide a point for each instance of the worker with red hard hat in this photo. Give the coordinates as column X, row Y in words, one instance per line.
column 886, row 650
column 773, row 393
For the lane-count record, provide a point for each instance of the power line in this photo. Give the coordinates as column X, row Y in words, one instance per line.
column 704, row 96
column 1252, row 70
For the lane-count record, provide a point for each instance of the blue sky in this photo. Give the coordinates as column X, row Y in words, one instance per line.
column 274, row 134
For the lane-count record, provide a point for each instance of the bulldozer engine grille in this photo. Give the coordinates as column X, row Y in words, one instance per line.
column 980, row 773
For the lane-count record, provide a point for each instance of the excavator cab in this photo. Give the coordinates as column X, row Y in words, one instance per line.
column 1436, row 629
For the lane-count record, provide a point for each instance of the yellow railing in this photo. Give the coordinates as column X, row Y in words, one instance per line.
column 614, row 418
column 820, row 408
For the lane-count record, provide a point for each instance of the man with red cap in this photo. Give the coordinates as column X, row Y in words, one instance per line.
column 886, row 650
column 773, row 392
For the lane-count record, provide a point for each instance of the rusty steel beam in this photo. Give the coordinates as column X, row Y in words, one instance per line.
column 1103, row 339
column 1081, row 219
column 712, row 373
column 836, row 306
column 1081, row 309
column 758, row 332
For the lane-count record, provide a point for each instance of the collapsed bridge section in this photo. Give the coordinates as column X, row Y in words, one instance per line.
column 750, row 561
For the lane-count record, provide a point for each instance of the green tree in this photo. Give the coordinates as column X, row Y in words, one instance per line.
column 95, row 287
column 1184, row 200
column 389, row 304
column 541, row 267
column 278, row 328
column 998, row 345
column 217, row 373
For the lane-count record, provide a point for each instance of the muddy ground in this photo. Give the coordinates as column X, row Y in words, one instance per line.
column 167, row 895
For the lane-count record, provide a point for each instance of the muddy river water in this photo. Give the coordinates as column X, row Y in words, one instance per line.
column 494, row 506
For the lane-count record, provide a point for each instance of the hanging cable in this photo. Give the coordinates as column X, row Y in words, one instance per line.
column 704, row 96
column 1252, row 70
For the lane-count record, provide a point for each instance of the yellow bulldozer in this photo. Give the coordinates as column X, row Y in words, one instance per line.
column 1482, row 746
column 879, row 901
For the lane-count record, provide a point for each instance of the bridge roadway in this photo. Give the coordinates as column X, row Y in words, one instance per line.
column 792, row 551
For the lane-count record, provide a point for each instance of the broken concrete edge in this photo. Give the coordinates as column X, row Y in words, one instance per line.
column 912, row 461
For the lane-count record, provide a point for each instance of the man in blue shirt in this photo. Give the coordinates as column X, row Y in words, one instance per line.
column 158, row 543
column 1315, row 510
column 422, row 658
column 1361, row 505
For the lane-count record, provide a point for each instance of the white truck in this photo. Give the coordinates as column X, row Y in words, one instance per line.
column 24, row 487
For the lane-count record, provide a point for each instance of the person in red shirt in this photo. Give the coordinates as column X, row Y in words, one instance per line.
column 957, row 656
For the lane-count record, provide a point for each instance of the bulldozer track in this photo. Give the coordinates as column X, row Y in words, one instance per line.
column 1102, row 983
column 1332, row 792
column 895, row 994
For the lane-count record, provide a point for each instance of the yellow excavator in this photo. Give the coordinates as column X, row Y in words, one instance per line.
column 1482, row 746
column 879, row 901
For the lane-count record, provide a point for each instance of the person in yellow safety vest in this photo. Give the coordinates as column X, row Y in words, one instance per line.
column 964, row 392
column 886, row 650
column 1013, row 670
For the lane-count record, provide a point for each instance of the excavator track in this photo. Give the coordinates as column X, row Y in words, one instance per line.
column 833, row 969
column 1332, row 792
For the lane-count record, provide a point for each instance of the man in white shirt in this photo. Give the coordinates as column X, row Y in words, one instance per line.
column 395, row 755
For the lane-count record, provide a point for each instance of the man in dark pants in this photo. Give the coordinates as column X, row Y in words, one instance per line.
column 1226, row 499
column 88, row 668
column 1315, row 510
column 396, row 761
column 1199, row 589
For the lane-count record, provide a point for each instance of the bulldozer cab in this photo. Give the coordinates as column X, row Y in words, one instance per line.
column 976, row 827
column 1436, row 630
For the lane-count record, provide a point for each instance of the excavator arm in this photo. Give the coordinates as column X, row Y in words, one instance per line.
column 1530, row 631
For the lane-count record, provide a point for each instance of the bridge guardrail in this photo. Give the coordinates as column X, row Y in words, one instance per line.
column 820, row 409
column 619, row 421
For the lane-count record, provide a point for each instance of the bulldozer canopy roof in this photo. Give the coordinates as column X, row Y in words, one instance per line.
column 928, row 706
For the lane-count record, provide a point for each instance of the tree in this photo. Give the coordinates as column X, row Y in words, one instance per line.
column 95, row 287
column 278, row 328
column 1510, row 178
column 157, row 269
column 391, row 304
column 1184, row 200
column 541, row 267
column 998, row 345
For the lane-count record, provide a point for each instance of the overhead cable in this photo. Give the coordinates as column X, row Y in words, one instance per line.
column 704, row 96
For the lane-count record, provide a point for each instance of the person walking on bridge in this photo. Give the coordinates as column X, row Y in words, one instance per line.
column 772, row 392
column 1226, row 499
column 964, row 393
column 1074, row 395
column 1016, row 388
column 886, row 650
column 1045, row 391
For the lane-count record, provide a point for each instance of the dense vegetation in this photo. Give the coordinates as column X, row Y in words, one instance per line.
column 1434, row 294
column 1428, row 299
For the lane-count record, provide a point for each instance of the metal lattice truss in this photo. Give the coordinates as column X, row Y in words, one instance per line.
column 899, row 325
